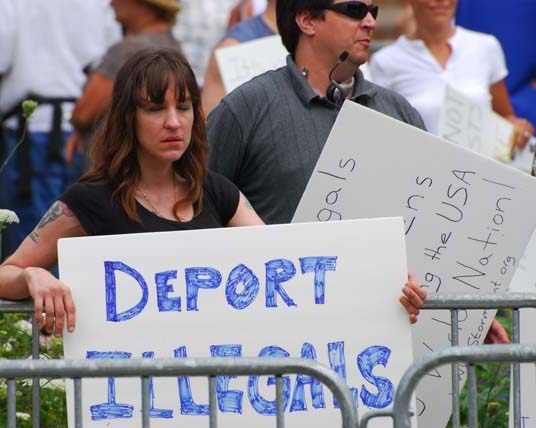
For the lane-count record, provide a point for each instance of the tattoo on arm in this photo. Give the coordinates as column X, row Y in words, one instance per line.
column 56, row 210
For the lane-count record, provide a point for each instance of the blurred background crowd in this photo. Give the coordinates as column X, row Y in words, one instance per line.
column 65, row 53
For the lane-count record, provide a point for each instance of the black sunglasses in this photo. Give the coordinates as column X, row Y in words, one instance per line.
column 354, row 9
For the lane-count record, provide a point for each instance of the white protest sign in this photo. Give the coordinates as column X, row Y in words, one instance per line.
column 319, row 291
column 524, row 280
column 465, row 217
column 242, row 62
column 527, row 372
column 525, row 277
column 474, row 126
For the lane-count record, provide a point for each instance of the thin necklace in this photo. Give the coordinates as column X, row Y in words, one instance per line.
column 153, row 208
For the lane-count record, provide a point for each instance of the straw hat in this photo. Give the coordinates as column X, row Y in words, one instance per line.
column 167, row 5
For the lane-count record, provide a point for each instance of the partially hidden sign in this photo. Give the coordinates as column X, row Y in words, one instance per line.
column 326, row 292
column 475, row 126
column 242, row 62
column 466, row 220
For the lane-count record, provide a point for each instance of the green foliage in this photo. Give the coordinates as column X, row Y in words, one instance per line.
column 493, row 389
column 16, row 343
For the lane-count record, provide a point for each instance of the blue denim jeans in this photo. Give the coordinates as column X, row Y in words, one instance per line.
column 48, row 180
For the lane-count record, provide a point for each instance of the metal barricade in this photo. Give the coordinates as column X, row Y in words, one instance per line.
column 207, row 367
column 472, row 355
column 27, row 307
column 483, row 353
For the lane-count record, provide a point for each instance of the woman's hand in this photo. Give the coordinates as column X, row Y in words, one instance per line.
column 53, row 297
column 523, row 130
column 412, row 297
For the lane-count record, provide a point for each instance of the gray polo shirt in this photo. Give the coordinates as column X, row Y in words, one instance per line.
column 267, row 135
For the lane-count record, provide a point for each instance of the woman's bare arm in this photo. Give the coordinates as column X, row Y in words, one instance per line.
column 25, row 273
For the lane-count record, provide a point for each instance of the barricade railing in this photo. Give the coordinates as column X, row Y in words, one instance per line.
column 472, row 355
column 27, row 307
column 452, row 302
column 11, row 370
column 456, row 302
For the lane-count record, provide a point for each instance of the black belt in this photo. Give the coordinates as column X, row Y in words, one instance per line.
column 56, row 138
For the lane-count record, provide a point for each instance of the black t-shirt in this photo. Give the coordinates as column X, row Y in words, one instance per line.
column 101, row 214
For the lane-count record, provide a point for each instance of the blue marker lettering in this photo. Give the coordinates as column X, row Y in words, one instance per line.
column 196, row 278
column 366, row 361
column 163, row 288
column 228, row 401
column 111, row 290
column 317, row 394
column 188, row 406
column 156, row 413
column 337, row 362
column 260, row 404
column 278, row 271
column 241, row 275
column 111, row 409
column 318, row 265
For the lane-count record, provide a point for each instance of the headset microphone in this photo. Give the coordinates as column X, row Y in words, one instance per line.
column 337, row 92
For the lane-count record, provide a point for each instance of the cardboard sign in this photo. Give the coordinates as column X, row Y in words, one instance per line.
column 327, row 292
column 474, row 126
column 478, row 128
column 242, row 62
column 466, row 220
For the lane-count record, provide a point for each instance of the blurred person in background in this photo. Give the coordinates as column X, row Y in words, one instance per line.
column 246, row 9
column 45, row 48
column 515, row 31
column 200, row 26
column 420, row 65
column 261, row 25
column 146, row 24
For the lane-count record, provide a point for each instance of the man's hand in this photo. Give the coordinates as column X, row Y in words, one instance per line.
column 412, row 298
column 497, row 334
column 74, row 144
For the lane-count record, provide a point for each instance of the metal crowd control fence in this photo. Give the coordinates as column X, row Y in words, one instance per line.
column 467, row 354
column 485, row 353
column 144, row 369
column 453, row 302
column 26, row 307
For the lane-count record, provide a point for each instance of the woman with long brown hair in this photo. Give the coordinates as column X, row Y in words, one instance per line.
column 150, row 174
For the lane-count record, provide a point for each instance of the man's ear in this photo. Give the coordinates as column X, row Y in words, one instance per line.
column 305, row 22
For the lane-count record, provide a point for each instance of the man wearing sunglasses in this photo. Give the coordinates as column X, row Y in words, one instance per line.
column 267, row 135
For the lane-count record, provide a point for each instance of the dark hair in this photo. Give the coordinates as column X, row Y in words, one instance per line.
column 147, row 74
column 286, row 11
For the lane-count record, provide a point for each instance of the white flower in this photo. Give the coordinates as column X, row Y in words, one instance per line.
column 8, row 217
column 23, row 416
column 6, row 347
column 24, row 326
column 58, row 384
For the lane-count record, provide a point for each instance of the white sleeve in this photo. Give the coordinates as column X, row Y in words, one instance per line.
column 378, row 74
column 8, row 34
column 498, row 70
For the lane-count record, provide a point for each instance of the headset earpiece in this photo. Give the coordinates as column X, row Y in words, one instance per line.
column 335, row 93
